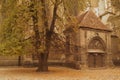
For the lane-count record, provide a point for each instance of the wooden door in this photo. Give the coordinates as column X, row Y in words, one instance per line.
column 95, row 60
column 100, row 60
column 91, row 60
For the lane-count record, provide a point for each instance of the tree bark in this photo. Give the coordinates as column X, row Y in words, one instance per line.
column 19, row 60
column 42, row 63
column 42, row 60
column 43, row 57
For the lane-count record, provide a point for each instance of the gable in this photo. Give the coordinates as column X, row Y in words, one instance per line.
column 90, row 20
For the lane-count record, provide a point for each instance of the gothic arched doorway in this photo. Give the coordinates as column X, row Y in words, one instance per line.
column 96, row 53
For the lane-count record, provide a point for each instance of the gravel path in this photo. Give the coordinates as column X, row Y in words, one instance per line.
column 59, row 73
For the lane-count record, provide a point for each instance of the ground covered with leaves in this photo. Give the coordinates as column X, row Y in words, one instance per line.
column 58, row 73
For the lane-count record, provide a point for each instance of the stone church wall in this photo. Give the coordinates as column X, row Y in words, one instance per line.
column 86, row 35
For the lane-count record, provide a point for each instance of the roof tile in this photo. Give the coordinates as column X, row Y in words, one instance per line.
column 90, row 20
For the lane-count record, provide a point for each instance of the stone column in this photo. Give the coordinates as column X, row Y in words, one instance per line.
column 109, row 52
column 77, row 53
column 83, row 50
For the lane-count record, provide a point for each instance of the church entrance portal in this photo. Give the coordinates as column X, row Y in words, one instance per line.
column 96, row 53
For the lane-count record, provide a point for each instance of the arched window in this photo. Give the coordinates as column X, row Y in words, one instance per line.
column 96, row 43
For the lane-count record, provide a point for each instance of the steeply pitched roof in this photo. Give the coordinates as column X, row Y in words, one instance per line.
column 90, row 20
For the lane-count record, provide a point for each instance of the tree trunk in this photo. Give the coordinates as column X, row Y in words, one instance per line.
column 42, row 64
column 19, row 61
column 43, row 57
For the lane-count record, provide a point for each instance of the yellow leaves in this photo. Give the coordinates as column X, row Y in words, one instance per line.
column 72, row 7
column 71, row 10
column 14, row 50
column 73, row 23
column 20, row 19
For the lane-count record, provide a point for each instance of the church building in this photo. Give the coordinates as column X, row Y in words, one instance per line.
column 90, row 45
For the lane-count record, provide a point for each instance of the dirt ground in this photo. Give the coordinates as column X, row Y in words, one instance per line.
column 58, row 73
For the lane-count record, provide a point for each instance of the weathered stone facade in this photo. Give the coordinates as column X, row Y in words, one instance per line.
column 90, row 46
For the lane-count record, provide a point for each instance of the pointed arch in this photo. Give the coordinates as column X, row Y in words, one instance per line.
column 97, row 43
